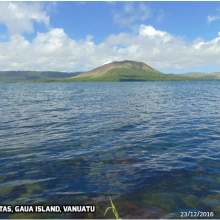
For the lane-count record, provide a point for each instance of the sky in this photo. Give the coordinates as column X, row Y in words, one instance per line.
column 172, row 37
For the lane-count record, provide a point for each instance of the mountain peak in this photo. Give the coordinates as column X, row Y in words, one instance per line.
column 117, row 64
column 140, row 64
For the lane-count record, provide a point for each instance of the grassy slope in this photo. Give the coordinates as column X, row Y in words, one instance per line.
column 122, row 73
column 130, row 74
column 32, row 76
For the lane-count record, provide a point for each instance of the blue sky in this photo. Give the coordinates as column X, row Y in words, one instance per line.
column 173, row 37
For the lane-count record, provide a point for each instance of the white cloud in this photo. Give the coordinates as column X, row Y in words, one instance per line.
column 151, row 32
column 132, row 12
column 18, row 16
column 212, row 18
column 107, row 62
column 54, row 50
column 136, row 12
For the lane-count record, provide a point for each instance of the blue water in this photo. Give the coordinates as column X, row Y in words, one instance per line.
column 149, row 145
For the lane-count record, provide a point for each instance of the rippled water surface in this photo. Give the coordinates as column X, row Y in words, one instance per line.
column 154, row 147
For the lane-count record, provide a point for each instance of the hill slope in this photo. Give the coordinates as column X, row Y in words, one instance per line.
column 120, row 71
column 123, row 64
column 126, row 71
column 33, row 76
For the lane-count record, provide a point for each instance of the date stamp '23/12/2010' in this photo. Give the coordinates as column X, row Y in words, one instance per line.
column 197, row 214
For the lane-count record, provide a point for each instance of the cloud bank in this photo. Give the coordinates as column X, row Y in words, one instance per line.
column 19, row 16
column 55, row 50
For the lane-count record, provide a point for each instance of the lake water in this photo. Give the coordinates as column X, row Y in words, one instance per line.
column 154, row 147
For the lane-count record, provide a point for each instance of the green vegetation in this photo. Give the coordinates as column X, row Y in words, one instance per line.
column 113, row 209
column 202, row 75
column 123, row 71
column 131, row 74
column 33, row 76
